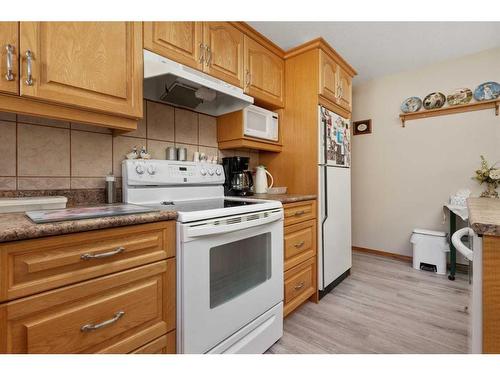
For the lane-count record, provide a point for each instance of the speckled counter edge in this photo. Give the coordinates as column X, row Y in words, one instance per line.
column 22, row 228
column 486, row 229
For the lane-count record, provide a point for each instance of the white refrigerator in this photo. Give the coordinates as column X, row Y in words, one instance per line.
column 334, row 208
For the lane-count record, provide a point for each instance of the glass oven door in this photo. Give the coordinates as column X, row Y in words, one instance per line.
column 228, row 278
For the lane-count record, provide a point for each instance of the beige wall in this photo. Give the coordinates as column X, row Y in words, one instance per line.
column 44, row 154
column 402, row 176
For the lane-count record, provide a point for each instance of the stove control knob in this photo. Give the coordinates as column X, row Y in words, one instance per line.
column 139, row 168
column 152, row 169
column 203, row 172
column 211, row 172
column 218, row 171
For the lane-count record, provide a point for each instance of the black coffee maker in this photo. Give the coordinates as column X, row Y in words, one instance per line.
column 239, row 180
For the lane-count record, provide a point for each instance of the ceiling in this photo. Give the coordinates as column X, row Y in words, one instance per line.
column 376, row 49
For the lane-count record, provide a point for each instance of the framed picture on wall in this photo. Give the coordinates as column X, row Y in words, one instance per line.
column 362, row 127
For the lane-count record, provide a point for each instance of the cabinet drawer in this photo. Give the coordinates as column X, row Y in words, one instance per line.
column 108, row 314
column 162, row 345
column 300, row 284
column 299, row 211
column 300, row 243
column 32, row 266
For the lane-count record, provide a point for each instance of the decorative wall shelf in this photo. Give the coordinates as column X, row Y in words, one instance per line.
column 476, row 106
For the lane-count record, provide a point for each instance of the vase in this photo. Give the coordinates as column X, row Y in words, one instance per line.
column 490, row 192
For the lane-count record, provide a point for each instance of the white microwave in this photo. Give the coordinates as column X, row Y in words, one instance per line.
column 260, row 123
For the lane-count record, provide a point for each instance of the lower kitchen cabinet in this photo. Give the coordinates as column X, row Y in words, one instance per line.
column 300, row 284
column 300, row 243
column 300, row 262
column 162, row 345
column 132, row 310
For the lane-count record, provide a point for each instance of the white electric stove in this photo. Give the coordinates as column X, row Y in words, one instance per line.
column 229, row 256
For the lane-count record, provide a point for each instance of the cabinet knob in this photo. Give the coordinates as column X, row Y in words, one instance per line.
column 300, row 244
column 29, row 74
column 209, row 53
column 299, row 213
column 93, row 327
column 247, row 79
column 9, row 76
column 89, row 256
column 299, row 285
column 202, row 53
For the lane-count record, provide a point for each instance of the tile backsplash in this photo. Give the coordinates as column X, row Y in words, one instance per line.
column 44, row 154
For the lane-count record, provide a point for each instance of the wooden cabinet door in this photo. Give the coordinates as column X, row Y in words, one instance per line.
column 224, row 57
column 111, row 314
column 37, row 265
column 9, row 40
column 178, row 41
column 264, row 72
column 94, row 65
column 345, row 94
column 328, row 82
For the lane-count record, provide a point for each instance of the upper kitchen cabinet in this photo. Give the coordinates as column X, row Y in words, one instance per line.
column 92, row 65
column 315, row 75
column 328, row 77
column 345, row 90
column 265, row 74
column 223, row 52
column 230, row 51
column 9, row 61
column 335, row 82
column 178, row 41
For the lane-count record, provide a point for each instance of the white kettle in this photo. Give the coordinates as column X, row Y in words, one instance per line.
column 261, row 180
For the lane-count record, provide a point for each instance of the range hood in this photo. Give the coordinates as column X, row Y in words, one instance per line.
column 173, row 83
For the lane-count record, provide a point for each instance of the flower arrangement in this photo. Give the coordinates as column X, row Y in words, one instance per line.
column 490, row 176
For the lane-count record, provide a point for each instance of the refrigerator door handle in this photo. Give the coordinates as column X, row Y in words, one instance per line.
column 325, row 195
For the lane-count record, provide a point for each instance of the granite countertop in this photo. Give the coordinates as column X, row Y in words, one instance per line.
column 17, row 226
column 484, row 215
column 285, row 198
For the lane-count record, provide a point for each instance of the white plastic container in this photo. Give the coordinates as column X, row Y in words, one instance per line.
column 31, row 203
column 429, row 250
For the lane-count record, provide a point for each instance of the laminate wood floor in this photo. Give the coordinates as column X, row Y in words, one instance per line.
column 384, row 306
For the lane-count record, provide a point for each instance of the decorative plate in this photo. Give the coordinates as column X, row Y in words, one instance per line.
column 487, row 91
column 412, row 104
column 362, row 127
column 434, row 100
column 459, row 96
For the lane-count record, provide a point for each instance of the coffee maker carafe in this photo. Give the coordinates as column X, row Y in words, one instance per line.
column 239, row 180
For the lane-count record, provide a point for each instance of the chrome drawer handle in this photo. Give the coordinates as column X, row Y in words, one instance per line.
column 299, row 285
column 29, row 74
column 300, row 244
column 88, row 256
column 93, row 327
column 299, row 213
column 9, row 76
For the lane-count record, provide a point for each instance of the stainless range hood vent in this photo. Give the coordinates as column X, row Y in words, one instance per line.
column 179, row 85
column 181, row 95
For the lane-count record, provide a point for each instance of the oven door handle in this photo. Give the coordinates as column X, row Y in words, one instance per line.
column 214, row 226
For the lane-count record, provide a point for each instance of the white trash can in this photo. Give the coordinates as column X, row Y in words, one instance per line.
column 429, row 250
